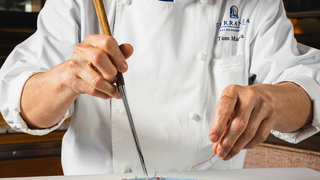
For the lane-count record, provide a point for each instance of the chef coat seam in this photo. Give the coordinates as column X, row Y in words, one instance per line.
column 257, row 19
column 113, row 107
column 254, row 33
column 112, row 22
column 204, row 107
column 117, row 19
column 202, row 117
column 113, row 135
column 77, row 22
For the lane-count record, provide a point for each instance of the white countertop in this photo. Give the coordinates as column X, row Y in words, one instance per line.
column 241, row 174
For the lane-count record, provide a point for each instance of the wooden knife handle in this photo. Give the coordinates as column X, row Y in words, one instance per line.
column 102, row 17
column 105, row 28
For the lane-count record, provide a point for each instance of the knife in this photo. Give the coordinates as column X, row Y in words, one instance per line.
column 105, row 28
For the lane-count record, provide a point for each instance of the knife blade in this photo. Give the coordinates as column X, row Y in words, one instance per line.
column 105, row 28
column 122, row 90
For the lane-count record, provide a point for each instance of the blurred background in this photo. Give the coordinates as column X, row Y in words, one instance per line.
column 18, row 20
column 24, row 155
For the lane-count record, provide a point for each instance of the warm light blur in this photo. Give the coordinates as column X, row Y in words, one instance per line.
column 293, row 21
column 21, row 5
column 305, row 25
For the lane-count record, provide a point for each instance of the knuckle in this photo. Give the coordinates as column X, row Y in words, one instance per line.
column 231, row 89
column 240, row 125
column 114, row 92
column 226, row 144
column 241, row 121
column 97, row 56
column 72, row 63
column 91, row 90
column 251, row 145
column 264, row 105
column 96, row 81
column 105, row 96
column 90, row 36
column 274, row 115
column 73, row 82
column 108, row 41
column 273, row 100
column 264, row 136
column 257, row 140
column 250, row 93
column 234, row 151
column 72, row 67
column 225, row 108
column 112, row 73
column 77, row 49
column 249, row 133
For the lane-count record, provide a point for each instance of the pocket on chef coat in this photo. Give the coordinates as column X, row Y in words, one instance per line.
column 228, row 71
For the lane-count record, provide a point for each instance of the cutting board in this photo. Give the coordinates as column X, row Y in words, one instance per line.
column 241, row 174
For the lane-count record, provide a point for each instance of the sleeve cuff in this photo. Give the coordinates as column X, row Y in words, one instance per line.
column 312, row 88
column 18, row 123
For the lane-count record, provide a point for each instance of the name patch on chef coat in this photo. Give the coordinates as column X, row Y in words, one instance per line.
column 167, row 0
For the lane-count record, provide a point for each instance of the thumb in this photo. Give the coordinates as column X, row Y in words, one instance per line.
column 126, row 49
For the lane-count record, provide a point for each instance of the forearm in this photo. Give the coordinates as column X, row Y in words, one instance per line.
column 45, row 99
column 292, row 104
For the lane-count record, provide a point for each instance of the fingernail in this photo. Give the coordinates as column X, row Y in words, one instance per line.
column 123, row 67
column 213, row 138
column 222, row 153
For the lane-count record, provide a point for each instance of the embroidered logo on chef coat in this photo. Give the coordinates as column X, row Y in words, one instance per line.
column 234, row 12
column 234, row 24
column 167, row 0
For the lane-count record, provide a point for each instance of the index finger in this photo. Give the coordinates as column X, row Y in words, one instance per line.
column 112, row 49
column 223, row 112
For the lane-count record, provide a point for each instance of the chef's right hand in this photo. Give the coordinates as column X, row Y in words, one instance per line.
column 94, row 65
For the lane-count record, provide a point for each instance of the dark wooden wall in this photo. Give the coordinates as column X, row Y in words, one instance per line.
column 15, row 27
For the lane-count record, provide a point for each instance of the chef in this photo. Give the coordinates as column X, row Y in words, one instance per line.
column 202, row 77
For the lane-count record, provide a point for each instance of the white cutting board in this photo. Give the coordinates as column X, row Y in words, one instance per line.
column 241, row 174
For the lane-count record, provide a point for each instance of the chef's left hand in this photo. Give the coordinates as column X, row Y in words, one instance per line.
column 245, row 115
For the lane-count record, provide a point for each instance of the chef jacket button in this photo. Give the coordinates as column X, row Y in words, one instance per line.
column 125, row 170
column 122, row 112
column 194, row 116
column 126, row 2
column 203, row 1
column 201, row 56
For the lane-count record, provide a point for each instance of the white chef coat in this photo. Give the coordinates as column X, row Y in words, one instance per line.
column 186, row 53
